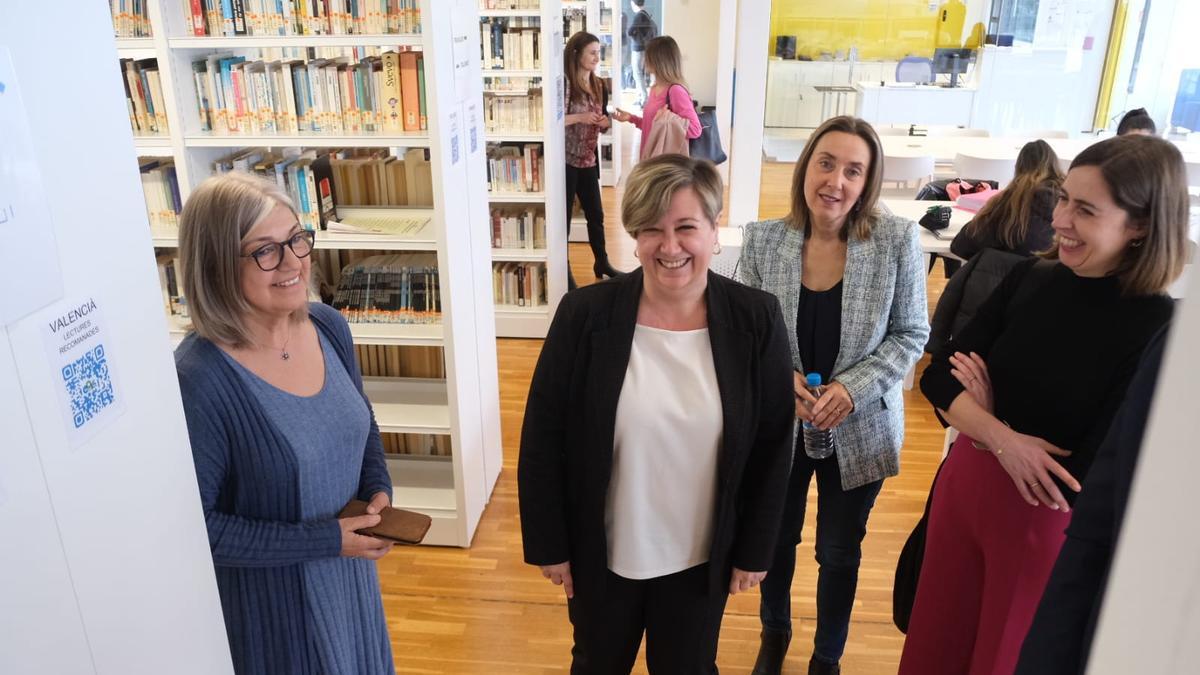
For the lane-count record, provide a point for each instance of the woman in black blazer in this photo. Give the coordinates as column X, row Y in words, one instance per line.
column 657, row 437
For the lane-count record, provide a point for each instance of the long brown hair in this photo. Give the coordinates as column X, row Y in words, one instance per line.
column 663, row 57
column 582, row 82
column 1147, row 179
column 1007, row 215
column 862, row 217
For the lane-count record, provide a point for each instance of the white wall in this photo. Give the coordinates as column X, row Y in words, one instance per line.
column 1151, row 614
column 695, row 25
column 105, row 565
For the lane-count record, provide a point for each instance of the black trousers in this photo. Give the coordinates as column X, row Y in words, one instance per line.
column 677, row 612
column 841, row 526
column 585, row 184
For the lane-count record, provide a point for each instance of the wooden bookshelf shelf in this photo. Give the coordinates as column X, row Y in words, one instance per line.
column 308, row 141
column 405, row 405
column 264, row 41
column 426, row 485
column 518, row 255
column 517, row 197
column 136, row 48
column 400, row 334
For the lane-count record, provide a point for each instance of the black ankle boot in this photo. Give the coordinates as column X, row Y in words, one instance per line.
column 816, row 667
column 602, row 269
column 771, row 651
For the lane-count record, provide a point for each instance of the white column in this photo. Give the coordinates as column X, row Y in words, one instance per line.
column 749, row 106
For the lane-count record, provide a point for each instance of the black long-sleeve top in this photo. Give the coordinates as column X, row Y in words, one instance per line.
column 1060, row 358
column 1038, row 237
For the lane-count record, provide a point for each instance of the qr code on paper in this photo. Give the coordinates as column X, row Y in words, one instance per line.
column 89, row 385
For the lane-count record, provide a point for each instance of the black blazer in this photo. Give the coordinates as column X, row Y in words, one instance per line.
column 570, row 417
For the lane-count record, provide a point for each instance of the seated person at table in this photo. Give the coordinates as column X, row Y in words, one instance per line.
column 1018, row 219
column 1137, row 122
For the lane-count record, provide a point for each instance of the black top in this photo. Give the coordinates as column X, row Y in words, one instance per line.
column 1060, row 362
column 1060, row 637
column 567, row 437
column 819, row 329
column 1038, row 237
column 641, row 31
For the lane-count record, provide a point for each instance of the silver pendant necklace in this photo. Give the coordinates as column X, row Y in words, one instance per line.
column 283, row 352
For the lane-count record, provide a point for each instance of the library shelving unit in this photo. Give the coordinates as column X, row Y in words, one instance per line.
column 464, row 405
column 544, row 19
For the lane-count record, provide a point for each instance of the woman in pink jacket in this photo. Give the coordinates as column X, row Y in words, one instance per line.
column 669, row 93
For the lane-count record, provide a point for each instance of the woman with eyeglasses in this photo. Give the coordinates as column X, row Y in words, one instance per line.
column 261, row 374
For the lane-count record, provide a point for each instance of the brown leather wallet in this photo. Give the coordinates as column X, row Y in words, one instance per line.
column 405, row 527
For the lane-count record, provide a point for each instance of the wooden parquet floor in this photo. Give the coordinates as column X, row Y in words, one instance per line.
column 482, row 610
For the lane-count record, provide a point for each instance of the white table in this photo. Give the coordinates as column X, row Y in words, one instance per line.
column 931, row 244
column 944, row 148
column 919, row 104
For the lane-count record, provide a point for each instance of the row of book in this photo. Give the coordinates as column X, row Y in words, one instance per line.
column 510, row 4
column 513, row 114
column 514, row 43
column 171, row 282
column 515, row 167
column 302, row 17
column 520, row 284
column 384, row 180
column 144, row 97
column 390, row 288
column 161, row 187
column 424, row 445
column 511, row 86
column 384, row 94
column 574, row 21
column 130, row 18
column 514, row 228
column 306, row 176
column 397, row 361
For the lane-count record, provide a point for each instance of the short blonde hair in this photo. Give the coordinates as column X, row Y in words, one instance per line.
column 218, row 215
column 862, row 217
column 653, row 182
column 1148, row 181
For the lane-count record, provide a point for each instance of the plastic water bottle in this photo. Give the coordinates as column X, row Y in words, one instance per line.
column 818, row 443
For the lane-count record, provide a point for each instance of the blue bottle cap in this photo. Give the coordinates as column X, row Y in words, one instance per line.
column 813, row 379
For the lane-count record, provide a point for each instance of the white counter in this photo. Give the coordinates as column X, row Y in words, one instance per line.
column 914, row 104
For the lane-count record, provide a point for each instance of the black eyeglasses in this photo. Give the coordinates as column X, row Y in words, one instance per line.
column 269, row 256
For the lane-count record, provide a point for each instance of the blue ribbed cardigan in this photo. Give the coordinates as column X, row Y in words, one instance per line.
column 247, row 476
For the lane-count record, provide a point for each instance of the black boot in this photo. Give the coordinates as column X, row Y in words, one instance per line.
column 602, row 269
column 771, row 651
column 816, row 667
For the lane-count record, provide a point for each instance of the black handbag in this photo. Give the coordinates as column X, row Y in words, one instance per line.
column 708, row 144
column 908, row 566
column 936, row 218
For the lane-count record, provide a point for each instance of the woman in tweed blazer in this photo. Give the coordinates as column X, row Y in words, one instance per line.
column 852, row 285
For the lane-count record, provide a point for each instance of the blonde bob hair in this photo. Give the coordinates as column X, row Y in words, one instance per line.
column 862, row 217
column 653, row 182
column 218, row 215
column 1147, row 179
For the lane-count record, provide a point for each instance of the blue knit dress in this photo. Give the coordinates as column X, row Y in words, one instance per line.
column 273, row 473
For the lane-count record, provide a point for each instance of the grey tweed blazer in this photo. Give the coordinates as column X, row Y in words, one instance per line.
column 884, row 328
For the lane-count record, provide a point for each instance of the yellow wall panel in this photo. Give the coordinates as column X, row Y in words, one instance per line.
column 879, row 29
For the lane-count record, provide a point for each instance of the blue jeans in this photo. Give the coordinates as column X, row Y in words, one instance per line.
column 841, row 526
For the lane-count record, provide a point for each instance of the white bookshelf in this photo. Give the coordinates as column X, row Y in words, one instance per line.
column 465, row 404
column 533, row 322
column 610, row 37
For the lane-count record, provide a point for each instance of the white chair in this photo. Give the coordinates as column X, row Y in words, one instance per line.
column 907, row 169
column 984, row 168
column 891, row 131
column 1193, row 174
column 1047, row 133
column 958, row 132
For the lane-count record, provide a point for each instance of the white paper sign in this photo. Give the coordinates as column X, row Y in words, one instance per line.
column 28, row 253
column 455, row 143
column 82, row 366
column 464, row 48
column 473, row 127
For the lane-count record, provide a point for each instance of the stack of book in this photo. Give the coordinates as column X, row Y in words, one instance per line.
column 396, row 361
column 514, row 228
column 392, row 288
column 429, row 445
column 306, row 176
column 169, row 279
column 130, row 18
column 515, row 167
column 574, row 21
column 302, row 17
column 522, row 284
column 144, row 97
column 512, row 43
column 384, row 180
column 505, row 113
column 161, row 187
column 383, row 94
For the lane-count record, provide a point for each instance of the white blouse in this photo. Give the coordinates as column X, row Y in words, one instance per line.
column 662, row 493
